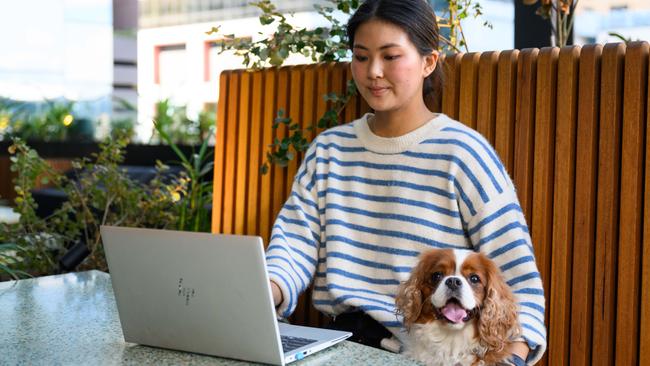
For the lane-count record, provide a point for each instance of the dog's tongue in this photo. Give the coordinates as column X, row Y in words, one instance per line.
column 454, row 312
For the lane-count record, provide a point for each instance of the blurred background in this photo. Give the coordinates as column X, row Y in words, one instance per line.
column 100, row 65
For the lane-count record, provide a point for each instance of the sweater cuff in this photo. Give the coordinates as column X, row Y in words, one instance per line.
column 536, row 350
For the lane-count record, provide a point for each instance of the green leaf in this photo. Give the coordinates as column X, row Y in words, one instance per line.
column 206, row 169
column 213, row 30
column 266, row 19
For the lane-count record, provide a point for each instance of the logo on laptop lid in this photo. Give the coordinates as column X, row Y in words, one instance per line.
column 185, row 292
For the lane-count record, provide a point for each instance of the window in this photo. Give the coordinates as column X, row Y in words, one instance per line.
column 170, row 65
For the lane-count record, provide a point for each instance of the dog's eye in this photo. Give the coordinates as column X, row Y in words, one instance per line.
column 474, row 278
column 436, row 276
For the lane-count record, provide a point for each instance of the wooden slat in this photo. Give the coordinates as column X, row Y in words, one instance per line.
column 611, row 91
column 585, row 201
column 219, row 154
column 256, row 156
column 562, row 246
column 266, row 218
column 338, row 82
column 350, row 113
column 324, row 87
column 543, row 171
column 231, row 154
column 524, row 129
column 504, row 134
column 310, row 96
column 644, row 342
column 243, row 151
column 629, row 260
column 279, row 173
column 296, row 98
column 469, row 90
column 487, row 95
column 451, row 93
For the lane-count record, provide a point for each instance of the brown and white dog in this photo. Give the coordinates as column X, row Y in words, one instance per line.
column 457, row 310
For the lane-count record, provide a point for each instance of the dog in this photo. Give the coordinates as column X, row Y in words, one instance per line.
column 457, row 310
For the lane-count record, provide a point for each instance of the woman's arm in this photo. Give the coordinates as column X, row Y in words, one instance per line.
column 292, row 254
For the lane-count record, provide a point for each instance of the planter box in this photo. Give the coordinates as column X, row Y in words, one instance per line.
column 61, row 154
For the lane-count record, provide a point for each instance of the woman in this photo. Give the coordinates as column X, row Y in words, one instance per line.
column 372, row 194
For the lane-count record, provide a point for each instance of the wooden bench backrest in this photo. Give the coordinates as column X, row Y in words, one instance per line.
column 570, row 127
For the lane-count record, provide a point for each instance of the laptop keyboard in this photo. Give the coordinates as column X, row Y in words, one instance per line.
column 291, row 343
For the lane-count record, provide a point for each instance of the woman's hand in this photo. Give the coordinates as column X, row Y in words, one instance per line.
column 277, row 294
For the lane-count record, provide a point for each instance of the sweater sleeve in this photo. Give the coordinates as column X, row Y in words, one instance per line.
column 292, row 254
column 499, row 230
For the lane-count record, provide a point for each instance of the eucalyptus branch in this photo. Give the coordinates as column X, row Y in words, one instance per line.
column 464, row 42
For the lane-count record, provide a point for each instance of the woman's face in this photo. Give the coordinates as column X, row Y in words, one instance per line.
column 387, row 68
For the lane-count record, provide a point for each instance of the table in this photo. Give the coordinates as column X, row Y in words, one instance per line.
column 72, row 319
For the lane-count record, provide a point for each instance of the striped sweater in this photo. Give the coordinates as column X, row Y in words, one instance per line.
column 363, row 207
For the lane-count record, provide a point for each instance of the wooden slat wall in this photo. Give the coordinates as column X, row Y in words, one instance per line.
column 585, row 206
column 524, row 129
column 243, row 152
column 506, row 99
column 469, row 90
column 570, row 126
column 629, row 260
column 611, row 93
column 486, row 108
column 451, row 89
column 256, row 156
column 644, row 346
column 541, row 217
column 563, row 205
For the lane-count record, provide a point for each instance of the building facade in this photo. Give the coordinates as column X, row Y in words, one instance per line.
column 604, row 6
column 600, row 21
column 162, row 13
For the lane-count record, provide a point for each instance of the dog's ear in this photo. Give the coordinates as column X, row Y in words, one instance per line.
column 498, row 321
column 409, row 298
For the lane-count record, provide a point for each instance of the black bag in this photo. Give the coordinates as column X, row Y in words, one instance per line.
column 365, row 330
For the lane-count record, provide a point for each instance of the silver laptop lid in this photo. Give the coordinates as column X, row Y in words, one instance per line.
column 196, row 292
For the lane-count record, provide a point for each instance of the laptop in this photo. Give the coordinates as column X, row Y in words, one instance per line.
column 203, row 293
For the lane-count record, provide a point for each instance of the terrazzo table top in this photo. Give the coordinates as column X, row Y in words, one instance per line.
column 72, row 319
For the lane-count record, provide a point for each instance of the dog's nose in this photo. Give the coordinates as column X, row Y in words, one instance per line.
column 453, row 283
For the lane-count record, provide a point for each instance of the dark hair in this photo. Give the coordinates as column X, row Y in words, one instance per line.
column 416, row 18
